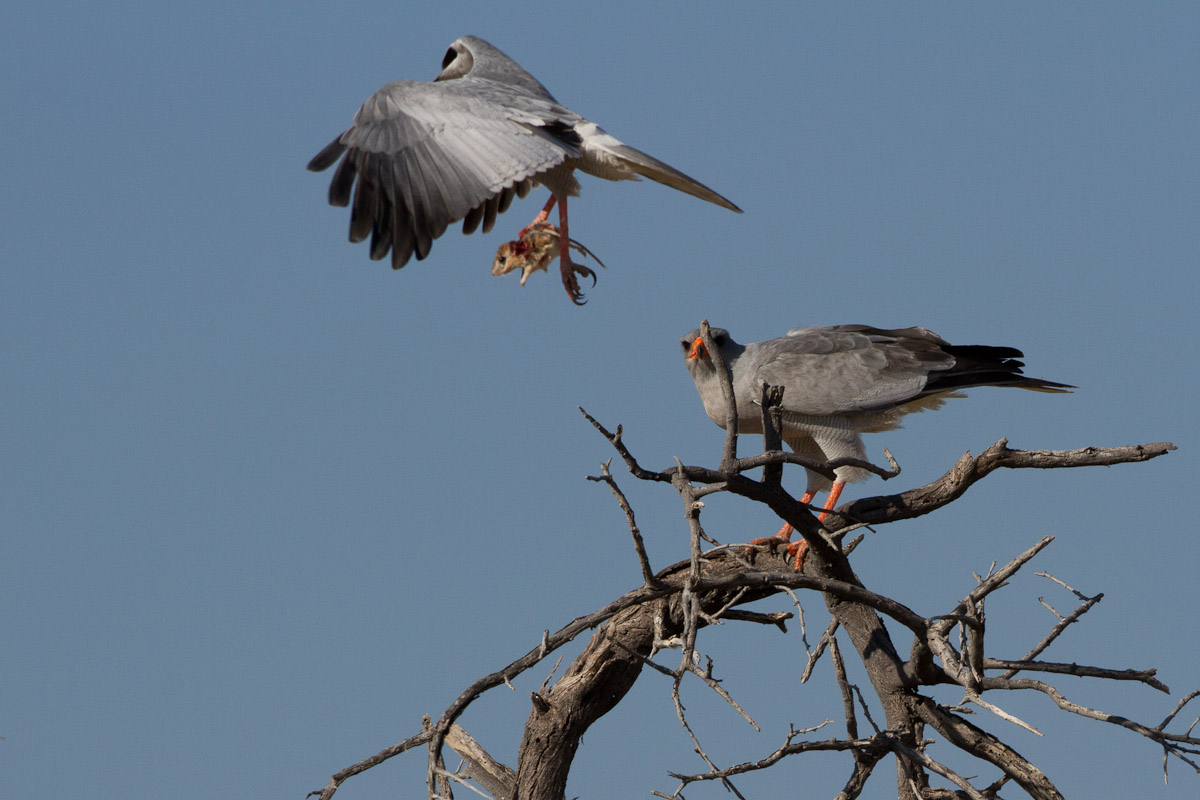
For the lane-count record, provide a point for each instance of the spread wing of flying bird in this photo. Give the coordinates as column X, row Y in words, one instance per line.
column 422, row 155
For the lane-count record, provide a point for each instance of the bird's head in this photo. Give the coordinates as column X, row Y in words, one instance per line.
column 695, row 353
column 472, row 57
column 458, row 60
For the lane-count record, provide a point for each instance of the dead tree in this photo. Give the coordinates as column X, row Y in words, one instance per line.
column 674, row 604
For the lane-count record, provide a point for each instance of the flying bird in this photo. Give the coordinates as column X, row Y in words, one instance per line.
column 461, row 147
column 842, row 381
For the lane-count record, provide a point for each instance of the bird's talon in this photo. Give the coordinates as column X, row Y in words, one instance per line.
column 800, row 551
column 772, row 544
column 797, row 550
column 572, row 287
column 569, row 270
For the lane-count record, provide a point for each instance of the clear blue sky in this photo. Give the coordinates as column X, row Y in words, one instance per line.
column 265, row 502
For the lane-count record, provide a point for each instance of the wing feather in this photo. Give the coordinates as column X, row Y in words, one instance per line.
column 362, row 214
column 828, row 371
column 857, row 369
column 424, row 155
column 342, row 183
column 381, row 230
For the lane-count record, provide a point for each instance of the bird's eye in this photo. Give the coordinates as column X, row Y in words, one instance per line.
column 450, row 54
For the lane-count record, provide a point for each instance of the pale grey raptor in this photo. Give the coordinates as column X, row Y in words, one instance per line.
column 429, row 154
column 845, row 380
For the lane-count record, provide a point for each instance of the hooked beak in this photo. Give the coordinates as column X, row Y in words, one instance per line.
column 698, row 349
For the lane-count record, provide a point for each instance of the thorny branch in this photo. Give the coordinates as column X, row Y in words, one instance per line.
column 675, row 603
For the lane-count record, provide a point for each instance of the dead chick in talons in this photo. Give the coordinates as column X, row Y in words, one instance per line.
column 535, row 250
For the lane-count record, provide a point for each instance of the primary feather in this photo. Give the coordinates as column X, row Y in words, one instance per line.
column 423, row 155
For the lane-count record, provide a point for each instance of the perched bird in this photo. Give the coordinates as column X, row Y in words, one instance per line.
column 429, row 154
column 536, row 247
column 842, row 381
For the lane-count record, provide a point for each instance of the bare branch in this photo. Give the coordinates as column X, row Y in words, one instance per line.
column 968, row 470
column 725, row 378
column 631, row 463
column 549, row 676
column 862, row 702
column 489, row 773
column 1145, row 676
column 697, row 746
column 638, row 545
column 985, row 746
column 770, row 402
column 673, row 606
column 939, row 628
column 362, row 766
column 1183, row 701
column 787, row 749
column 1063, row 622
column 973, row 697
column 815, row 655
column 839, row 672
column 934, row 766
column 777, row 618
column 1174, row 741
column 864, row 765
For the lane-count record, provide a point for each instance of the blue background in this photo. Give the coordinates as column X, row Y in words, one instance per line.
column 265, row 502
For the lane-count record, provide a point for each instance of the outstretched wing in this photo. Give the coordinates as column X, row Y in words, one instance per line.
column 420, row 156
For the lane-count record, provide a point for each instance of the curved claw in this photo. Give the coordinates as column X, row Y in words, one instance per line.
column 539, row 244
column 798, row 550
column 585, row 252
column 572, row 287
column 571, row 284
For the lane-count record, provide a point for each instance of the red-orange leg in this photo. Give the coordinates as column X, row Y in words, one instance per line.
column 800, row 549
column 564, row 237
column 785, row 533
column 569, row 268
column 542, row 216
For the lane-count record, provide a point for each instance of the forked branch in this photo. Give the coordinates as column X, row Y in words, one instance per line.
column 674, row 605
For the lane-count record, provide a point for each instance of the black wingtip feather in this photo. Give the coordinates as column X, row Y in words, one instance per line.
column 471, row 220
column 362, row 214
column 490, row 207
column 342, row 183
column 381, row 233
column 324, row 159
column 402, row 240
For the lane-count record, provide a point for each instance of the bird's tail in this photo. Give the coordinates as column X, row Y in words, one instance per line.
column 650, row 167
column 983, row 365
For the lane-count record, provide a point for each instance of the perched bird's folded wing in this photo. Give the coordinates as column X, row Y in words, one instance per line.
column 848, row 369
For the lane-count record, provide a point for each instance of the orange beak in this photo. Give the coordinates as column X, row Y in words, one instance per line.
column 698, row 349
